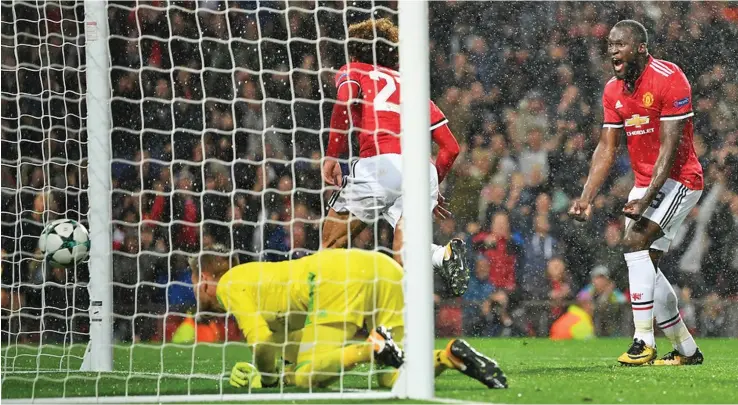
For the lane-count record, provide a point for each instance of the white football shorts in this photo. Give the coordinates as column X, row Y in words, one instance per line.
column 671, row 205
column 373, row 189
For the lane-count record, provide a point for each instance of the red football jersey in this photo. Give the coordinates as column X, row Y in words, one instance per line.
column 662, row 93
column 376, row 114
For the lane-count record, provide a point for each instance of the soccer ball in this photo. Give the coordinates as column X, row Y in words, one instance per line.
column 64, row 242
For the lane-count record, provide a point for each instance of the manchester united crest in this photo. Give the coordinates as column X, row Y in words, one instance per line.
column 647, row 99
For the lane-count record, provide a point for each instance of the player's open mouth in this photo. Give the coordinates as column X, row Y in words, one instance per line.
column 618, row 65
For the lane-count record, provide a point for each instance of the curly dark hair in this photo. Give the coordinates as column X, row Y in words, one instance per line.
column 368, row 36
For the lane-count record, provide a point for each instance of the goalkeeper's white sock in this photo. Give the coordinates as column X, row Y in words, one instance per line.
column 642, row 278
column 438, row 253
column 666, row 309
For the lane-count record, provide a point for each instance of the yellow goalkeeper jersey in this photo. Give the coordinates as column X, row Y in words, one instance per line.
column 330, row 286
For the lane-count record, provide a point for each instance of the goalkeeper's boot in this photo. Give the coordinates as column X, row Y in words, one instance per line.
column 454, row 271
column 638, row 354
column 475, row 364
column 386, row 351
column 675, row 358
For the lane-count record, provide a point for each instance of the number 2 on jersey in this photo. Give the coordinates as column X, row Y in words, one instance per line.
column 381, row 102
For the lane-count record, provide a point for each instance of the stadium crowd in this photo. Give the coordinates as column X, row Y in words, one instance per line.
column 219, row 121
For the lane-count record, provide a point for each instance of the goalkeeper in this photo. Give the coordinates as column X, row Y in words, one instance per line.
column 308, row 310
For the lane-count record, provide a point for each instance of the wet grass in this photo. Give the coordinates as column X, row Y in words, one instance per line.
column 539, row 371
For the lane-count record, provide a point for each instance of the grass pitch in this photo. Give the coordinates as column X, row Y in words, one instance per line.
column 538, row 370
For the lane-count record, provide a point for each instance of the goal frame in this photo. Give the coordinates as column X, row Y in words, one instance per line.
column 419, row 324
column 99, row 353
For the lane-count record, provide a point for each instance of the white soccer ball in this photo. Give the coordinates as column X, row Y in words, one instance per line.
column 64, row 242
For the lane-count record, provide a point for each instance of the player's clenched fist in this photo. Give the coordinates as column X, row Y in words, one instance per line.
column 580, row 210
column 635, row 208
column 332, row 172
column 244, row 374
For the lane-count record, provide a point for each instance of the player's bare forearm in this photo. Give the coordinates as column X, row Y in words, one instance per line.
column 671, row 135
column 602, row 161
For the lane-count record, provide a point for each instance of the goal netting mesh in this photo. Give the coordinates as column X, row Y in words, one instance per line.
column 220, row 113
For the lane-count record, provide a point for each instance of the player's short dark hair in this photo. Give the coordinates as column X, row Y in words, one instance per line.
column 370, row 35
column 640, row 35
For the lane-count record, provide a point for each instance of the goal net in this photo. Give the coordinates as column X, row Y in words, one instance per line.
column 208, row 123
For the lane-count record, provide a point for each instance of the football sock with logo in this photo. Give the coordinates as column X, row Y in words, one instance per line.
column 437, row 255
column 642, row 277
column 670, row 322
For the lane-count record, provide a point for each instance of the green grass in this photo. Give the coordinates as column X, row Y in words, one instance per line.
column 539, row 371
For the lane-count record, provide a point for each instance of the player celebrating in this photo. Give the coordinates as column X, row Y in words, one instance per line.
column 651, row 100
column 368, row 94
column 307, row 310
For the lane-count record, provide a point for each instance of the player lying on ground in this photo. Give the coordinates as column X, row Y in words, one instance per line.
column 368, row 93
column 651, row 99
column 307, row 311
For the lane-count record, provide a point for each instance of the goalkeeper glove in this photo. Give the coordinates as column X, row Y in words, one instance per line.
column 245, row 374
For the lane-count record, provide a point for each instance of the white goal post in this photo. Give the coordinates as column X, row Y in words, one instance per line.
column 99, row 353
column 419, row 323
column 184, row 72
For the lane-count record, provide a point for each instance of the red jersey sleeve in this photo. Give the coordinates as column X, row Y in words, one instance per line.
column 348, row 88
column 348, row 83
column 437, row 117
column 676, row 98
column 448, row 147
column 611, row 117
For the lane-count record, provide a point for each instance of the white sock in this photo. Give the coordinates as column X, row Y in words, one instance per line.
column 666, row 309
column 437, row 254
column 642, row 278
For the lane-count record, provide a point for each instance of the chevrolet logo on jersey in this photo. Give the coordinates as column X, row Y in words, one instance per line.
column 636, row 121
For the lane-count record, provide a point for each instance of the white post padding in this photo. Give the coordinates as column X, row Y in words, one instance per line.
column 99, row 353
column 415, row 121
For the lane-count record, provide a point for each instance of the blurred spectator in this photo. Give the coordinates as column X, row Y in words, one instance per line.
column 477, row 302
column 499, row 249
column 610, row 255
column 539, row 249
column 713, row 321
column 560, row 287
column 576, row 323
column 606, row 302
column 535, row 156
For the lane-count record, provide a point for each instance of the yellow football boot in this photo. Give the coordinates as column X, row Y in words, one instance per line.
column 638, row 354
column 675, row 358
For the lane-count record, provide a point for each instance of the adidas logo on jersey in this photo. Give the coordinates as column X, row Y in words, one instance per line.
column 618, row 104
